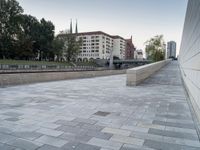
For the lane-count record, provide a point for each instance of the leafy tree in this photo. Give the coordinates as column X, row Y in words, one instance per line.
column 27, row 38
column 155, row 48
column 9, row 16
column 36, row 37
column 45, row 38
column 23, row 36
column 71, row 47
column 57, row 48
column 24, row 49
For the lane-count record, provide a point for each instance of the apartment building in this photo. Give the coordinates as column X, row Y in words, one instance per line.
column 171, row 49
column 100, row 45
column 138, row 54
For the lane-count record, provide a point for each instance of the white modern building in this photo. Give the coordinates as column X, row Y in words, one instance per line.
column 138, row 54
column 171, row 49
column 99, row 45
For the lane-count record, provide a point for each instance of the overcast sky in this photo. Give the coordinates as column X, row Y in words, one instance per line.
column 140, row 18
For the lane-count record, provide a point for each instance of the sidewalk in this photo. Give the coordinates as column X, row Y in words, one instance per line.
column 99, row 114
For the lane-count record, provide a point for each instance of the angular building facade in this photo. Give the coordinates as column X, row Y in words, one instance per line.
column 189, row 56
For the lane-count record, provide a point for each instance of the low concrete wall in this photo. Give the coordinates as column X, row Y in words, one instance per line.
column 136, row 75
column 27, row 78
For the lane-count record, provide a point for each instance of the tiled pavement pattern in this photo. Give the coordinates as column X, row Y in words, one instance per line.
column 98, row 114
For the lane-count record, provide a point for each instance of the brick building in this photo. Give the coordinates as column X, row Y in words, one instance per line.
column 130, row 48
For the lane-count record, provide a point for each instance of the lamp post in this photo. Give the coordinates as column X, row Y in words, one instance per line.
column 111, row 60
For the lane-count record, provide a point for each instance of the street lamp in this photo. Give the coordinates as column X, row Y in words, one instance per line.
column 111, row 60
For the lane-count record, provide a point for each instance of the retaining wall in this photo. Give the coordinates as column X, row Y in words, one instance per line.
column 27, row 78
column 136, row 75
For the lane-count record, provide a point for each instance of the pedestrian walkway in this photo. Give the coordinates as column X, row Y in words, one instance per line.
column 99, row 114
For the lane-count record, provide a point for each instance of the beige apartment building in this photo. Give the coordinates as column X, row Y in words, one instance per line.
column 100, row 45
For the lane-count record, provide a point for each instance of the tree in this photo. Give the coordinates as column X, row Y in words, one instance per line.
column 9, row 16
column 24, row 49
column 71, row 47
column 23, row 36
column 45, row 38
column 57, row 49
column 155, row 48
column 28, row 37
column 36, row 37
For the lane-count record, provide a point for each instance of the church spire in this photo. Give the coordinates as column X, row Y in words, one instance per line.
column 76, row 27
column 71, row 30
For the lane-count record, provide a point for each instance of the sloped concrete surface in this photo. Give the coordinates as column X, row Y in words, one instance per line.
column 99, row 114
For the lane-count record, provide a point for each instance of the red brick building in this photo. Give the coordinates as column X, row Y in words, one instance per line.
column 130, row 48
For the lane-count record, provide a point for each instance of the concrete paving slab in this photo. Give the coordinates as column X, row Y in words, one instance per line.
column 63, row 114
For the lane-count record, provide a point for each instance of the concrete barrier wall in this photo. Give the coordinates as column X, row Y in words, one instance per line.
column 27, row 78
column 189, row 56
column 136, row 75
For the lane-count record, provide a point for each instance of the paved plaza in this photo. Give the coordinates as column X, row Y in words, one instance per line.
column 98, row 114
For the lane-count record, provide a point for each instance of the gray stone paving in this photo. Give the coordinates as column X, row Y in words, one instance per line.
column 98, row 114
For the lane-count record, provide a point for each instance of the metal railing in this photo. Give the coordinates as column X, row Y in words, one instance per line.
column 33, row 68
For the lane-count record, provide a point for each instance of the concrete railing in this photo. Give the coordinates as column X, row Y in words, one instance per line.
column 136, row 75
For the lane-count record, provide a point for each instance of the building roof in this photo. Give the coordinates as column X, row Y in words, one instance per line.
column 97, row 32
column 130, row 42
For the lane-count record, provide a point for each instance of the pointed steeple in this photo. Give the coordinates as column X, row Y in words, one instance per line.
column 71, row 30
column 76, row 27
